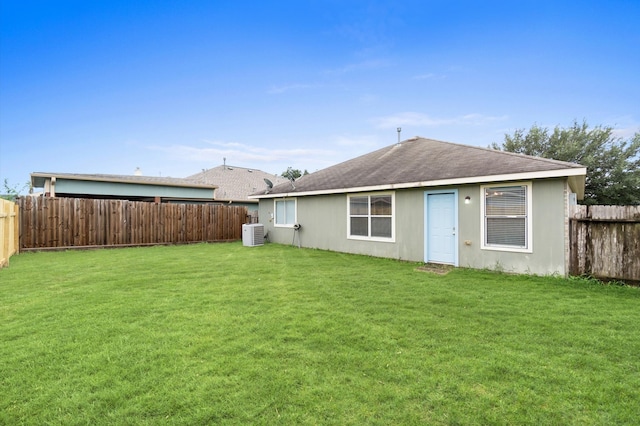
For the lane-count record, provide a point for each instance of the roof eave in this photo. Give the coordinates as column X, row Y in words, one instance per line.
column 576, row 177
column 38, row 179
column 235, row 200
column 577, row 184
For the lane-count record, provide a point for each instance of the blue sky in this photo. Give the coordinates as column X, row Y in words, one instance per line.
column 173, row 87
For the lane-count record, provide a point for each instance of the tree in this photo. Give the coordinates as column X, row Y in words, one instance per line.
column 292, row 173
column 11, row 192
column 613, row 163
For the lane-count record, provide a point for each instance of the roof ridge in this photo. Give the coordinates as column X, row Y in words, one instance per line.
column 230, row 167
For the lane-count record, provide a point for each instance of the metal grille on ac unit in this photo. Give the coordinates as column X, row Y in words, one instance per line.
column 252, row 234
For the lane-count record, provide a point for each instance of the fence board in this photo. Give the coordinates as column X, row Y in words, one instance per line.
column 605, row 242
column 25, row 223
column 67, row 222
column 9, row 231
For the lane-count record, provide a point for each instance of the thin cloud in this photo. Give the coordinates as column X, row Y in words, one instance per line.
column 225, row 144
column 356, row 141
column 276, row 90
column 626, row 132
column 359, row 66
column 479, row 119
column 243, row 154
column 429, row 76
column 407, row 119
column 368, row 98
column 625, row 127
column 417, row 119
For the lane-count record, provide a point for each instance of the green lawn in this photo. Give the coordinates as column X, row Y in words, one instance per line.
column 226, row 334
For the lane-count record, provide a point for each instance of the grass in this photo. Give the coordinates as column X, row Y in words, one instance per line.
column 226, row 334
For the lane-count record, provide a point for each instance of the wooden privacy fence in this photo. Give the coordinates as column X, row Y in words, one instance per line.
column 76, row 222
column 605, row 242
column 9, row 231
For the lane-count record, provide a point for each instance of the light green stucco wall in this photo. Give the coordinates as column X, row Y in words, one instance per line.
column 324, row 225
column 548, row 239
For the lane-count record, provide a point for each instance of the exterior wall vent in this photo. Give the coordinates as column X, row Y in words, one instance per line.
column 252, row 234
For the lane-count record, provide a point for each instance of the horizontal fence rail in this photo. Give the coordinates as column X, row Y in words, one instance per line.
column 605, row 242
column 77, row 222
column 9, row 231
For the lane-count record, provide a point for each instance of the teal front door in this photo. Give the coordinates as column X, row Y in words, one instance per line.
column 441, row 222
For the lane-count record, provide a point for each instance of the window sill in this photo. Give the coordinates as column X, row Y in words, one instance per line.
column 375, row 239
column 508, row 249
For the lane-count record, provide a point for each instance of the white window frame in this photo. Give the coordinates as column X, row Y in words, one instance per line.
column 528, row 248
column 391, row 239
column 287, row 223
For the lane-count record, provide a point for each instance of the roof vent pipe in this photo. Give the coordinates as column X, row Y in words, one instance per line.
column 399, row 130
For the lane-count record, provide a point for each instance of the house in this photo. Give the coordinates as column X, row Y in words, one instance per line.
column 235, row 184
column 431, row 201
column 123, row 187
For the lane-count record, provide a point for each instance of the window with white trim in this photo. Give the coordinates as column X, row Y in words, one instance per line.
column 371, row 217
column 506, row 223
column 285, row 212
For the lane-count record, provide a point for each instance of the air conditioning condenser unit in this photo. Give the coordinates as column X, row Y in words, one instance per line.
column 252, row 234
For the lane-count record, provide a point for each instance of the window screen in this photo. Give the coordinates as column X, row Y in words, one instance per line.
column 506, row 216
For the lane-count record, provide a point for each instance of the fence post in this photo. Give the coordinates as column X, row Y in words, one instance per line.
column 16, row 228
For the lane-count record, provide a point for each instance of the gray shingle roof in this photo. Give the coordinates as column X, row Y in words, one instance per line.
column 236, row 183
column 419, row 160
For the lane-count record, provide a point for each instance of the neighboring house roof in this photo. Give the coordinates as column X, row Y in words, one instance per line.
column 121, row 186
column 420, row 162
column 236, row 183
column 38, row 179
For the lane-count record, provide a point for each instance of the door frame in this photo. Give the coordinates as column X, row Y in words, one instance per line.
column 454, row 192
